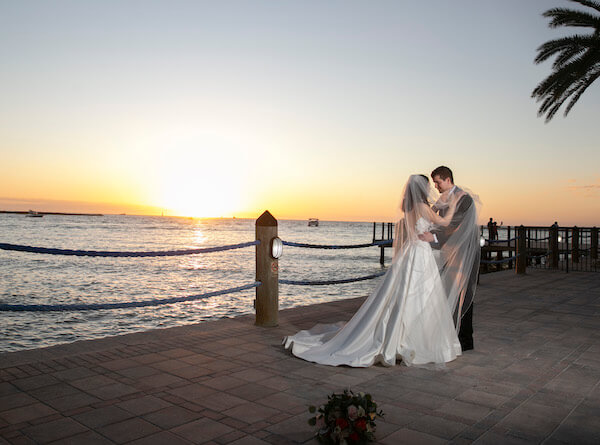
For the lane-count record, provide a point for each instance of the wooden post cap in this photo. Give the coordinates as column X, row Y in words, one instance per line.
column 266, row 220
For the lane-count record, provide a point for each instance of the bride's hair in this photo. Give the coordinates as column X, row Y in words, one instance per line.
column 417, row 190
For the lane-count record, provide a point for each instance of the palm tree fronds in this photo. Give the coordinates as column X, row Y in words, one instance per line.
column 568, row 17
column 580, row 90
column 566, row 47
column 577, row 63
column 590, row 3
column 565, row 82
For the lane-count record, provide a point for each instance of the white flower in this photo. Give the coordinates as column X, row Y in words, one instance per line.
column 352, row 412
column 361, row 411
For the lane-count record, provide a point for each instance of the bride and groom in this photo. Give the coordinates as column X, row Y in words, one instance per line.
column 421, row 312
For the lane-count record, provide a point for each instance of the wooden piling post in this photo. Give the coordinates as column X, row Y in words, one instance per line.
column 267, row 272
column 499, row 257
column 509, row 244
column 483, row 267
column 594, row 243
column 521, row 250
column 575, row 245
column 553, row 244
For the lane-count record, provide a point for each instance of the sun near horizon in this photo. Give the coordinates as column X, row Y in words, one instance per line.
column 212, row 109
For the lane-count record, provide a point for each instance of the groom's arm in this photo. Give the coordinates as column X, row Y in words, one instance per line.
column 431, row 238
column 440, row 235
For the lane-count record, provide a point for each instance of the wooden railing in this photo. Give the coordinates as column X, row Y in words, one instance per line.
column 543, row 247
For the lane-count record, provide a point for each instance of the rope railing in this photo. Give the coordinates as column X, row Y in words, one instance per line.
column 504, row 260
column 125, row 305
column 325, row 246
column 328, row 282
column 538, row 239
column 492, row 241
column 269, row 265
column 97, row 253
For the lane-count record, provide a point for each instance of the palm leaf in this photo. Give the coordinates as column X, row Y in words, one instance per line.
column 590, row 3
column 568, row 17
column 577, row 63
column 566, row 48
column 584, row 86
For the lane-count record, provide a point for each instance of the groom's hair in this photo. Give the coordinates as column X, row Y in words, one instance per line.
column 443, row 172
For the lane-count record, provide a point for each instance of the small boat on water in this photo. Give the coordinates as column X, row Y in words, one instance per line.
column 34, row 214
column 313, row 222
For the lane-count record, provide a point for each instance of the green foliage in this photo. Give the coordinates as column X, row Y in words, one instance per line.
column 577, row 63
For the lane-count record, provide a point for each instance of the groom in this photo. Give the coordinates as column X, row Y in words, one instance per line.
column 444, row 182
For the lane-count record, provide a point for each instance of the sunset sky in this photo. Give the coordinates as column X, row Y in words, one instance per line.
column 306, row 108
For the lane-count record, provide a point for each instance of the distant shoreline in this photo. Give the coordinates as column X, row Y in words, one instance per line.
column 23, row 212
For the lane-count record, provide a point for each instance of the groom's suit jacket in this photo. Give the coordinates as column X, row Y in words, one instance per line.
column 443, row 233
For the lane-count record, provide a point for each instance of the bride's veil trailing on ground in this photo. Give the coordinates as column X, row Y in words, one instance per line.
column 460, row 255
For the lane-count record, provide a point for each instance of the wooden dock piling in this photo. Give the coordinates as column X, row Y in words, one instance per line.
column 521, row 250
column 267, row 272
column 575, row 245
column 594, row 243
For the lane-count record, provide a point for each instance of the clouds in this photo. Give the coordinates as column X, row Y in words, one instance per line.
column 586, row 190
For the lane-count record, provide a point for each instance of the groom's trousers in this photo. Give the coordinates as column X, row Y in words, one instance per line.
column 465, row 333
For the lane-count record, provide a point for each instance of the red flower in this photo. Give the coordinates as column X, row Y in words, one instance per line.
column 354, row 436
column 342, row 423
column 361, row 424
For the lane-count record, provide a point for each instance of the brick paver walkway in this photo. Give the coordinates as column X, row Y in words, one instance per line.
column 533, row 377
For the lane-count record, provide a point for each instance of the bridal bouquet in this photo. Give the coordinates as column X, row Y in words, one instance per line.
column 346, row 418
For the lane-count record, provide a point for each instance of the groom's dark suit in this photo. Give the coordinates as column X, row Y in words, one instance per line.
column 465, row 334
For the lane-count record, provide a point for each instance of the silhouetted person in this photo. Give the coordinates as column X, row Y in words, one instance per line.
column 490, row 227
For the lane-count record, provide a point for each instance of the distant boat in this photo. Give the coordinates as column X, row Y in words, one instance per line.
column 34, row 214
column 313, row 222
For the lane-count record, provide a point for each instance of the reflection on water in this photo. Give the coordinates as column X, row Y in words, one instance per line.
column 27, row 278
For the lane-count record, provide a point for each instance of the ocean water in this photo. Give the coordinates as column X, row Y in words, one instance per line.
column 29, row 278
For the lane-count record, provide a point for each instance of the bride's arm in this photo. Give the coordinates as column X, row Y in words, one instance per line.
column 443, row 221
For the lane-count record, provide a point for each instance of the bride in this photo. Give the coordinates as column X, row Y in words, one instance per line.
column 408, row 316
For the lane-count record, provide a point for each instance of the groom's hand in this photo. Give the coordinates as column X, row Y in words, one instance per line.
column 427, row 237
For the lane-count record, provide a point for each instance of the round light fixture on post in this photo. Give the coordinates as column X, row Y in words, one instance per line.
column 276, row 247
column 559, row 239
column 481, row 241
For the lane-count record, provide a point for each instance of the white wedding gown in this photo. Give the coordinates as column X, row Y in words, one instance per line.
column 406, row 317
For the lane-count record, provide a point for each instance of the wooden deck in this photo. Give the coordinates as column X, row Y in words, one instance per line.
column 534, row 377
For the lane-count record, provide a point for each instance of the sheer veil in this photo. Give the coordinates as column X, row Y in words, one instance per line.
column 417, row 198
column 460, row 255
column 459, row 251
